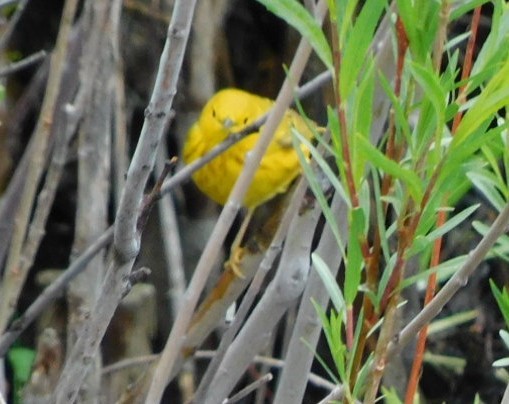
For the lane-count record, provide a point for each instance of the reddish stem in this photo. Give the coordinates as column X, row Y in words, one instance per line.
column 423, row 334
column 392, row 151
column 343, row 127
column 467, row 65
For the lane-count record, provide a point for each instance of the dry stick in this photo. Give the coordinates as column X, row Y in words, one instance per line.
column 248, row 389
column 214, row 245
column 55, row 289
column 127, row 233
column 23, row 63
column 253, row 290
column 300, row 355
column 125, row 363
column 119, row 158
column 283, row 291
column 265, row 360
column 13, row 278
column 315, row 379
column 94, row 150
column 173, row 256
column 10, row 200
column 171, row 242
column 457, row 281
column 335, row 395
column 12, row 23
column 12, row 195
column 505, row 398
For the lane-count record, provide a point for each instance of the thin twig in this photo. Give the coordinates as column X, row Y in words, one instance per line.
column 335, row 395
column 265, row 360
column 172, row 247
column 415, row 372
column 299, row 357
column 53, row 291
column 13, row 279
column 23, row 63
column 253, row 289
column 12, row 22
column 126, row 234
column 125, row 363
column 102, row 241
column 248, row 389
column 201, row 274
column 457, row 281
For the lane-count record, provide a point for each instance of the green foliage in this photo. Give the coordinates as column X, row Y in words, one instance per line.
column 502, row 298
column 394, row 189
column 354, row 261
column 21, row 360
column 356, row 44
column 420, row 18
column 329, row 282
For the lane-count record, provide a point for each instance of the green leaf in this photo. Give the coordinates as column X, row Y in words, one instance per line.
column 420, row 19
column 391, row 396
column 504, row 362
column 363, row 116
column 354, row 255
column 315, row 184
column 409, row 178
column 329, row 282
column 494, row 96
column 485, row 182
column 452, row 321
column 299, row 18
column 453, row 222
column 504, row 336
column 21, row 360
column 435, row 94
column 360, row 39
column 502, row 298
column 327, row 332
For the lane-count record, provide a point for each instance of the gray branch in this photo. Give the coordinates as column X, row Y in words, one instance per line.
column 126, row 234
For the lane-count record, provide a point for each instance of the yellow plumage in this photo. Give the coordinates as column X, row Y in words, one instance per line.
column 227, row 112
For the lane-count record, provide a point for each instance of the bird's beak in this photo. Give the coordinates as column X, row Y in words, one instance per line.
column 228, row 123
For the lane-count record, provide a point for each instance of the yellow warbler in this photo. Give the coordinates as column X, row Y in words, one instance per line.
column 227, row 112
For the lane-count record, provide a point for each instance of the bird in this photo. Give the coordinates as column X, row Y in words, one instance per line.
column 227, row 112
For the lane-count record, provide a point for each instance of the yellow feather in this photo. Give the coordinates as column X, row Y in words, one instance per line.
column 227, row 112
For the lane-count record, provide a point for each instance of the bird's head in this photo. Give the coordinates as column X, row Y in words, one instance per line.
column 227, row 112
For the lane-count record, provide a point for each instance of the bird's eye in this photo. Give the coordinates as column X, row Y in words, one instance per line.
column 213, row 113
column 245, row 120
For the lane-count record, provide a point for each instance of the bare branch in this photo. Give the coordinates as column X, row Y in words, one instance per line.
column 23, row 63
column 126, row 234
column 248, row 389
column 174, row 344
column 457, row 281
column 13, row 279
